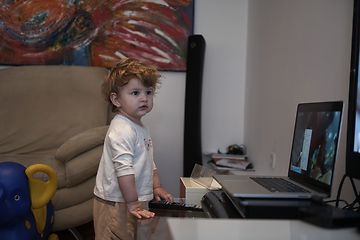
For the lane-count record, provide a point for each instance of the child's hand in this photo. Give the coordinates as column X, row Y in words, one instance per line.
column 137, row 210
column 161, row 193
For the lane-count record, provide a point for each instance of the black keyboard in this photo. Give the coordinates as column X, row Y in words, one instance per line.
column 278, row 184
column 174, row 205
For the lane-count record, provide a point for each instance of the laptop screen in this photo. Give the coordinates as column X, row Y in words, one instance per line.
column 315, row 144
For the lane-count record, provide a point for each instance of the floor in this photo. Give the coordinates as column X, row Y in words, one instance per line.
column 86, row 231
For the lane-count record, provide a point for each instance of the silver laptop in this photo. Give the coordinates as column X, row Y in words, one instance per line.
column 312, row 159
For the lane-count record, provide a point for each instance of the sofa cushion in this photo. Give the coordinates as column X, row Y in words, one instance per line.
column 28, row 160
column 43, row 106
column 81, row 143
column 83, row 166
column 73, row 216
column 67, row 197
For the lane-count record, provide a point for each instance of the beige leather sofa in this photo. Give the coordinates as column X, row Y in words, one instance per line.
column 55, row 115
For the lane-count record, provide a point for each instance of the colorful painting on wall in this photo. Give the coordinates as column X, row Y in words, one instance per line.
column 95, row 32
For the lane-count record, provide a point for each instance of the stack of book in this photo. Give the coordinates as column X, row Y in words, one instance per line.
column 221, row 161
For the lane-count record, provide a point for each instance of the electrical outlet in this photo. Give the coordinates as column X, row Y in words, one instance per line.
column 272, row 160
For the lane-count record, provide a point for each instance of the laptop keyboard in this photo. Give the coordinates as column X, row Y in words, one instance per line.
column 278, row 184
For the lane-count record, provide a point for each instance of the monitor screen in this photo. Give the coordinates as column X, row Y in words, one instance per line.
column 315, row 144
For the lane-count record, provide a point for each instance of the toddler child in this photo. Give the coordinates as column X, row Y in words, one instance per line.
column 127, row 177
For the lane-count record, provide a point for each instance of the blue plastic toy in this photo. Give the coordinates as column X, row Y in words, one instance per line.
column 26, row 211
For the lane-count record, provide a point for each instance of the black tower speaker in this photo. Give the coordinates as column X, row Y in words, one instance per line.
column 193, row 94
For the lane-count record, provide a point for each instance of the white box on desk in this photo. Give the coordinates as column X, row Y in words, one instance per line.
column 192, row 191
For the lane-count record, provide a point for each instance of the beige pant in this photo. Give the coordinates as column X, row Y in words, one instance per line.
column 112, row 220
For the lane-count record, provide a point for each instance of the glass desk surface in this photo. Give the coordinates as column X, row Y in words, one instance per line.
column 157, row 227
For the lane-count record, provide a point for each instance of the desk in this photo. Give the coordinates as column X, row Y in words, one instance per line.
column 157, row 227
column 207, row 229
column 181, row 225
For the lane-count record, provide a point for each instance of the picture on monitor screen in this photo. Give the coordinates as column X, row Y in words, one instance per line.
column 317, row 134
column 357, row 121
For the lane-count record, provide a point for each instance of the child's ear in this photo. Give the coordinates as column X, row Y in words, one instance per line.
column 114, row 99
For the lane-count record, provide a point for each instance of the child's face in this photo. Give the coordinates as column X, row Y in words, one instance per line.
column 134, row 100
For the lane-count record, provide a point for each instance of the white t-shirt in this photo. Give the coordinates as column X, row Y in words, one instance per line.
column 127, row 150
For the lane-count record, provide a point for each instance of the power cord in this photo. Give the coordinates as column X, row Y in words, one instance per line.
column 348, row 206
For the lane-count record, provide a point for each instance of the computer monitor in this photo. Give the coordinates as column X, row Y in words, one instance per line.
column 353, row 126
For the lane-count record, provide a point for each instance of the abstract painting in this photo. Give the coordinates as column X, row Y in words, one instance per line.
column 95, row 32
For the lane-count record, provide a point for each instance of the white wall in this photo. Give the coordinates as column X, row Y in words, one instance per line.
column 166, row 124
column 224, row 27
column 223, row 24
column 298, row 51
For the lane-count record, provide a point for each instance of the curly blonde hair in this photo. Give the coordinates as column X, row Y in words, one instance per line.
column 126, row 69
